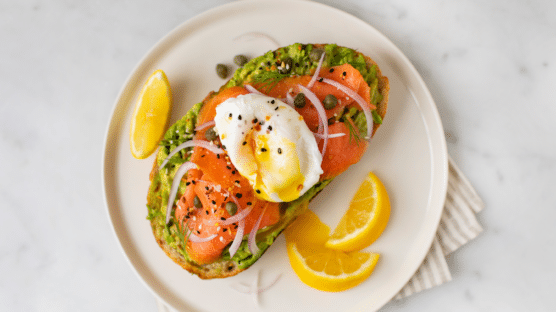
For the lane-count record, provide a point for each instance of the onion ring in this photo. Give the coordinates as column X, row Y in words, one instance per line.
column 330, row 136
column 186, row 166
column 238, row 216
column 289, row 99
column 196, row 239
column 317, row 72
column 238, row 238
column 323, row 121
column 252, row 89
column 190, row 143
column 205, row 125
column 252, row 243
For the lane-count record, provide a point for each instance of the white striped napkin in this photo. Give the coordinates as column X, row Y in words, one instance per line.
column 458, row 225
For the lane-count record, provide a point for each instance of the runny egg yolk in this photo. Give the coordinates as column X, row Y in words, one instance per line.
column 278, row 168
column 269, row 145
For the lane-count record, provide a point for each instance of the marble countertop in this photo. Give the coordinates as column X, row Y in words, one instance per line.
column 490, row 66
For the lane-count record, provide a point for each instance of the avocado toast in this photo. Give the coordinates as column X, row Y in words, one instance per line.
column 219, row 223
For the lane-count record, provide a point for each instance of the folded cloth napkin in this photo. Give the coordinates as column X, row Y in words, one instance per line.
column 458, row 225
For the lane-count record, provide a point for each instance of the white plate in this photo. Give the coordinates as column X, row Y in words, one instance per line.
column 408, row 153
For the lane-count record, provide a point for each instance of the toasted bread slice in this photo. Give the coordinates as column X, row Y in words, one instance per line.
column 168, row 235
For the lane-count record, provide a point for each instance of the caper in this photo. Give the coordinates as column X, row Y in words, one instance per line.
column 316, row 54
column 231, row 208
column 222, row 70
column 285, row 65
column 240, row 59
column 299, row 100
column 330, row 101
column 210, row 134
column 197, row 202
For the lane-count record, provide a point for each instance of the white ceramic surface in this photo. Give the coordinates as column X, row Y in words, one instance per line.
column 408, row 153
column 490, row 66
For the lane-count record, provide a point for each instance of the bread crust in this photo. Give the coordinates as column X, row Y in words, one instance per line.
column 225, row 268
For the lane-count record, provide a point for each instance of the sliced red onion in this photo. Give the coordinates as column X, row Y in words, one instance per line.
column 196, row 239
column 317, row 72
column 238, row 216
column 205, row 125
column 190, row 143
column 289, row 99
column 186, row 166
column 237, row 240
column 366, row 107
column 252, row 89
column 330, row 136
column 323, row 121
column 252, row 242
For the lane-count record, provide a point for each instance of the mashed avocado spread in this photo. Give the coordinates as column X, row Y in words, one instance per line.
column 159, row 191
column 302, row 62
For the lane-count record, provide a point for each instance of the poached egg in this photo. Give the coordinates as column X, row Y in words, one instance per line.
column 269, row 144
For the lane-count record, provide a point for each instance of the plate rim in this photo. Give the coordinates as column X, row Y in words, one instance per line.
column 166, row 40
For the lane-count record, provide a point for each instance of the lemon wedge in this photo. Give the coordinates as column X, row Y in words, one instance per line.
column 150, row 115
column 365, row 219
column 320, row 267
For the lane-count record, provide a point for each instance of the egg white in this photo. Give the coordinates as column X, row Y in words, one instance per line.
column 269, row 144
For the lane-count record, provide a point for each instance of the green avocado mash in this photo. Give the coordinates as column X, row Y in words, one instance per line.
column 181, row 131
column 299, row 56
